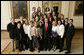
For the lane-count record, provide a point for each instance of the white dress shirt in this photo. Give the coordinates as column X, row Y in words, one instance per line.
column 25, row 27
column 30, row 32
column 60, row 30
column 54, row 28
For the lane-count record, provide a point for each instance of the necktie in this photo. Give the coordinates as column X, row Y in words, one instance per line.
column 46, row 27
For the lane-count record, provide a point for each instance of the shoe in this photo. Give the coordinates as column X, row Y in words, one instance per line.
column 20, row 50
column 31, row 50
column 57, row 48
column 65, row 49
column 23, row 49
column 54, row 50
column 45, row 49
column 60, row 50
column 49, row 50
column 67, row 52
column 39, row 51
column 13, row 50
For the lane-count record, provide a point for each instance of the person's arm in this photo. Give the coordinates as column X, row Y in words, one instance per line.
column 29, row 33
column 35, row 33
column 40, row 33
column 62, row 32
column 8, row 27
column 72, row 31
column 24, row 28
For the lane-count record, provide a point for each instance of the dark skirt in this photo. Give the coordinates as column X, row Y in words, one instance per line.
column 54, row 41
column 35, row 42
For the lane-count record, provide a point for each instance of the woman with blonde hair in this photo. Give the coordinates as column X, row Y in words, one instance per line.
column 26, row 38
column 54, row 35
column 35, row 37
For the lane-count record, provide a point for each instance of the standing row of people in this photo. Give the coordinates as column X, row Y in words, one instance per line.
column 44, row 32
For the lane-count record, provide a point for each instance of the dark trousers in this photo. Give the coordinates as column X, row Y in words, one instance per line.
column 54, row 41
column 31, row 44
column 20, row 45
column 47, row 44
column 60, row 43
column 68, row 44
column 17, row 44
column 26, row 41
column 58, row 46
column 63, row 40
column 41, row 44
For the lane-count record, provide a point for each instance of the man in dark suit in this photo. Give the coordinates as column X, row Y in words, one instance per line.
column 62, row 19
column 19, row 36
column 11, row 29
column 70, row 34
column 22, row 22
column 66, row 24
column 46, row 34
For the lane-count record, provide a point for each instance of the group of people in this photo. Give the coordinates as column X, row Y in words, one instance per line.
column 45, row 31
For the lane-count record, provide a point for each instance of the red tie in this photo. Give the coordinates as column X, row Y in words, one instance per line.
column 46, row 27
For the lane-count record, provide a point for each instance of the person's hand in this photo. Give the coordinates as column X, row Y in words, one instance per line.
column 61, row 37
column 51, row 36
column 40, row 38
column 37, row 35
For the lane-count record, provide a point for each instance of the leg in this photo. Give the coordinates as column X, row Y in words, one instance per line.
column 17, row 44
column 49, row 44
column 68, row 45
column 61, row 44
column 12, row 44
column 45, row 42
column 58, row 42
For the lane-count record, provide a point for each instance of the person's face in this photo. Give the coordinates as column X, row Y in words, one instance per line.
column 55, row 17
column 59, row 22
column 35, row 24
column 46, row 20
column 12, row 20
column 44, row 16
column 37, row 19
column 43, row 10
column 47, row 9
column 34, row 9
column 26, row 21
column 19, row 25
column 62, row 17
column 53, row 13
column 31, row 23
column 39, row 9
column 41, row 18
column 52, row 9
column 70, row 22
column 33, row 19
column 58, row 16
column 54, row 23
column 39, row 13
column 48, row 15
column 21, row 18
column 40, row 24
column 66, row 20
